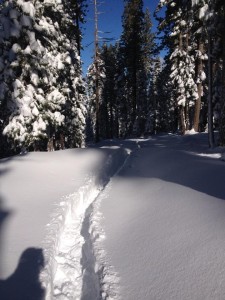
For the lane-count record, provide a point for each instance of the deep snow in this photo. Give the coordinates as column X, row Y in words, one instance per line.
column 163, row 218
column 154, row 231
column 44, row 197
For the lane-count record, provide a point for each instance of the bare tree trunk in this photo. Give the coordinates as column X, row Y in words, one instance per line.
column 222, row 117
column 186, row 117
column 97, row 137
column 210, row 111
column 50, row 145
column 182, row 119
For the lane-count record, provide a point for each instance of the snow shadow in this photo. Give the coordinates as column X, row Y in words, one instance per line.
column 4, row 214
column 91, row 280
column 183, row 160
column 24, row 282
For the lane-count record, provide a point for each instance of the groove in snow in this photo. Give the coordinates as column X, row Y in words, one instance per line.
column 72, row 271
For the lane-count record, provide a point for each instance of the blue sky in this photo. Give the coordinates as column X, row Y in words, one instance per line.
column 109, row 21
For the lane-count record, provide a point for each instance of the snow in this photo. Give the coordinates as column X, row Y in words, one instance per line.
column 203, row 11
column 155, row 230
column 41, row 193
column 27, row 7
column 168, row 237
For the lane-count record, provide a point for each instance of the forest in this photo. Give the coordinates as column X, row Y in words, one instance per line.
column 47, row 103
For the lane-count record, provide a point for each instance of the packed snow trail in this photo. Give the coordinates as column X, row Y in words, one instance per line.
column 162, row 220
column 73, row 256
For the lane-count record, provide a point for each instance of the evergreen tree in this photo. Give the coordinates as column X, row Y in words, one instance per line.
column 184, row 38
column 41, row 82
column 152, row 124
column 167, row 117
column 217, row 23
column 132, row 43
column 149, row 71
column 135, row 56
column 122, row 95
column 109, row 109
column 199, row 41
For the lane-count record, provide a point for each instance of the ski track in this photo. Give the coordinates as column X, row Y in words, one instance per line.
column 76, row 265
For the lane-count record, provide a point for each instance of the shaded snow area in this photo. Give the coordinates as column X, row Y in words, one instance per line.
column 139, row 219
column 163, row 217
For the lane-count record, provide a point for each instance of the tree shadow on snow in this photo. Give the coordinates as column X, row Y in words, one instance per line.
column 24, row 283
column 4, row 214
column 181, row 160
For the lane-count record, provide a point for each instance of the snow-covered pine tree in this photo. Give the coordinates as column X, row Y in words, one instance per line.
column 199, row 41
column 3, row 86
column 217, row 27
column 211, row 15
column 70, row 77
column 44, row 70
column 177, row 27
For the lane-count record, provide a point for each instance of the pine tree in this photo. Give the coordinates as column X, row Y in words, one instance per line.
column 167, row 117
column 152, row 124
column 147, row 73
column 218, row 9
column 199, row 38
column 131, row 42
column 122, row 92
column 178, row 29
column 44, row 70
column 135, row 53
column 109, row 109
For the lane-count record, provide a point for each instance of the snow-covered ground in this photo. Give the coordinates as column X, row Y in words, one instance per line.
column 44, row 197
column 154, row 231
column 163, row 222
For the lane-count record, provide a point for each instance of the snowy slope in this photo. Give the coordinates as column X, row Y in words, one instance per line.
column 162, row 220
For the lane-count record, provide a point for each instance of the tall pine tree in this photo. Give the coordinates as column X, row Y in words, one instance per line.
column 135, row 52
column 41, row 84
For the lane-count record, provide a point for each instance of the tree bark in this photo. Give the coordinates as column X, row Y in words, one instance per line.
column 210, row 111
column 97, row 125
column 222, row 117
column 199, row 87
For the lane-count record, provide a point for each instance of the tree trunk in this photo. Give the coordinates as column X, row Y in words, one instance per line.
column 182, row 122
column 210, row 110
column 97, row 137
column 199, row 86
column 222, row 117
column 182, row 119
